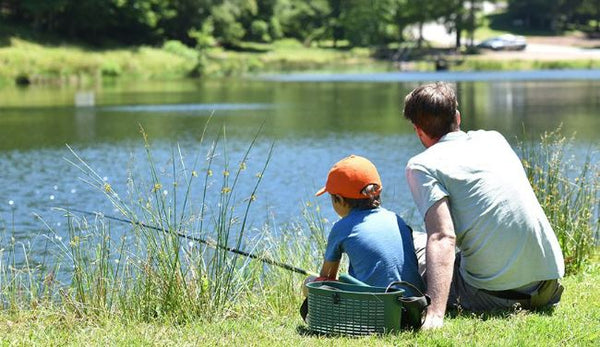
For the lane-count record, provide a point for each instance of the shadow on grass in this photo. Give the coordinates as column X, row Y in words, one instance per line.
column 498, row 314
column 248, row 48
column 303, row 330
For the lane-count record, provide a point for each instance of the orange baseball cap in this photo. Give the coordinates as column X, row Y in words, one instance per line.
column 349, row 176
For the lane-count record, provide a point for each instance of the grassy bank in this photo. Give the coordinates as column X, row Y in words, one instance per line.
column 30, row 62
column 573, row 323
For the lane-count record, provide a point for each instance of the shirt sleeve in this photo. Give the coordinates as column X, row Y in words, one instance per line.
column 425, row 188
column 334, row 249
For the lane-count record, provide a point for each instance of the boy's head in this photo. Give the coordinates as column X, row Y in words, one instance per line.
column 354, row 178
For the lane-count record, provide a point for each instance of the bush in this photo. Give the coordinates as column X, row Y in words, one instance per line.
column 179, row 49
column 259, row 30
column 110, row 68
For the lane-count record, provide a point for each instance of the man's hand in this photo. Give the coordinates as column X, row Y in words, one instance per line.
column 432, row 322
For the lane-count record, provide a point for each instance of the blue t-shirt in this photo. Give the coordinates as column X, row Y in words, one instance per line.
column 379, row 246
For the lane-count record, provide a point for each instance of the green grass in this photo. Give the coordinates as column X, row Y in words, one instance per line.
column 59, row 63
column 573, row 323
column 66, row 64
column 55, row 63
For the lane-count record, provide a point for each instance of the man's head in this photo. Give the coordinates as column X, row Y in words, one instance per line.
column 353, row 181
column 432, row 108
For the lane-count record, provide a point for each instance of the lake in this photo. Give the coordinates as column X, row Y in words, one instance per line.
column 312, row 120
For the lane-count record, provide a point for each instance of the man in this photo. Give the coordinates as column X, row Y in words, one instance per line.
column 472, row 192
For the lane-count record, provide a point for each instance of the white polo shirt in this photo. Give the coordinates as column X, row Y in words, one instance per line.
column 502, row 232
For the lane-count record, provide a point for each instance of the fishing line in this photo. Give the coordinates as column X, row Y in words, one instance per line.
column 212, row 244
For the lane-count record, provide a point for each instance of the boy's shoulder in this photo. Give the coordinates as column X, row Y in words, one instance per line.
column 359, row 216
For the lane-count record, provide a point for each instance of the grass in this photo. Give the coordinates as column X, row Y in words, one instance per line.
column 63, row 63
column 568, row 190
column 26, row 61
column 31, row 62
column 131, row 285
column 572, row 324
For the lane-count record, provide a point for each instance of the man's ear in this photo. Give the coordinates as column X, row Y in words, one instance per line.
column 419, row 131
column 457, row 119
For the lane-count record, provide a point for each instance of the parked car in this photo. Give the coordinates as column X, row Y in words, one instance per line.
column 504, row 42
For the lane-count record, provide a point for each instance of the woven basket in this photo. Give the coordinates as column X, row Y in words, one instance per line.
column 348, row 309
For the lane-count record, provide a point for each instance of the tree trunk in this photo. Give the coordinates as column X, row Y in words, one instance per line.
column 458, row 34
column 420, row 40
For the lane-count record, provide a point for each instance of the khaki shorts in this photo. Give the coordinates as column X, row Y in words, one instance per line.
column 465, row 296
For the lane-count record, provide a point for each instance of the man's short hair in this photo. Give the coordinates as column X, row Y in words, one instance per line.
column 432, row 107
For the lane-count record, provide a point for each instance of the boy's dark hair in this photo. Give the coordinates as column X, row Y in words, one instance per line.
column 364, row 204
column 432, row 107
column 373, row 201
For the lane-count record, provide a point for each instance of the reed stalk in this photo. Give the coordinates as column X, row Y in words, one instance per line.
column 157, row 274
column 567, row 187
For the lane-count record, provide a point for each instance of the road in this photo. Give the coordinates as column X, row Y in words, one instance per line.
column 538, row 48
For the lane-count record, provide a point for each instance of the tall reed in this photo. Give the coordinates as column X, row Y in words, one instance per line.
column 150, row 273
column 567, row 187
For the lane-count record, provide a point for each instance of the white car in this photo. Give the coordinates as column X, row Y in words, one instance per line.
column 504, row 42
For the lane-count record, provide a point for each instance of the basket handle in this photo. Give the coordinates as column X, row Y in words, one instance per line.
column 406, row 284
column 413, row 307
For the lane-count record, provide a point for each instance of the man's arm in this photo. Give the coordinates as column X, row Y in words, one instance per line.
column 440, row 261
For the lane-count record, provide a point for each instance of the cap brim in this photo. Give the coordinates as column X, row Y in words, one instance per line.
column 321, row 192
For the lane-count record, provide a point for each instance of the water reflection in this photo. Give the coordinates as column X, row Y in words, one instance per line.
column 451, row 76
column 186, row 107
column 313, row 124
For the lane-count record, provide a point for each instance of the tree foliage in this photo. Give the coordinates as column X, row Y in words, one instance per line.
column 231, row 22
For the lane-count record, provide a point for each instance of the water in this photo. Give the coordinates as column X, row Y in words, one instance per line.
column 312, row 120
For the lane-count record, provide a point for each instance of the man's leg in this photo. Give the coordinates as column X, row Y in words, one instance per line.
column 463, row 295
column 420, row 243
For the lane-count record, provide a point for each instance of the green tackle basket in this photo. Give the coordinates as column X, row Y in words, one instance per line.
column 355, row 310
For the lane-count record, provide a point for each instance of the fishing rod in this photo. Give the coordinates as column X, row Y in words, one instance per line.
column 264, row 259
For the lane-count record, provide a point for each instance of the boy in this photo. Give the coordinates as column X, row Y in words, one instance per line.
column 378, row 243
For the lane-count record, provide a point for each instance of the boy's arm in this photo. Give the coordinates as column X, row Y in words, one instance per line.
column 329, row 270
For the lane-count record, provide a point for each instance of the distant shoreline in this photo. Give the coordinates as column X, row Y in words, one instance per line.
column 26, row 63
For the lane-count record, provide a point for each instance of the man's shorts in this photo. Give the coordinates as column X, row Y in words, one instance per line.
column 545, row 294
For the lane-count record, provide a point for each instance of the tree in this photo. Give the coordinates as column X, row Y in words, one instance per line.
column 369, row 22
column 227, row 30
column 537, row 14
column 304, row 20
column 589, row 11
column 181, row 16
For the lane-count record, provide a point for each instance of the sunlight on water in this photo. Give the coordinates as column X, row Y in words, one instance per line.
column 452, row 76
column 186, row 107
column 312, row 124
